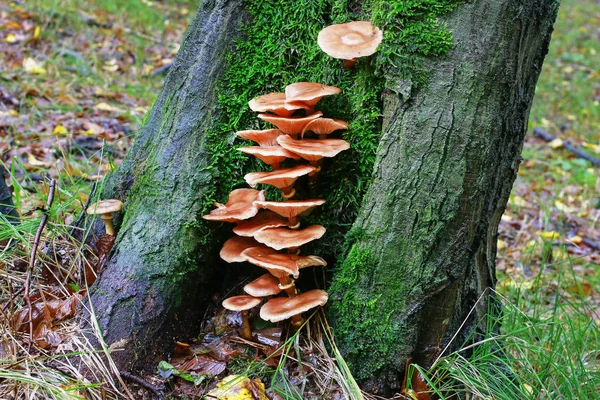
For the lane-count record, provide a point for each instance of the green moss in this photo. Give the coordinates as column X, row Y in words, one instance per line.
column 279, row 47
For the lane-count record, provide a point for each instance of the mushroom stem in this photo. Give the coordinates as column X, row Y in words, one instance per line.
column 313, row 177
column 276, row 166
column 287, row 284
column 247, row 330
column 297, row 321
column 293, row 222
column 348, row 64
column 288, row 192
column 107, row 219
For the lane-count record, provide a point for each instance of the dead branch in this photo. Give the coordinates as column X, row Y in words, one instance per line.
column 567, row 145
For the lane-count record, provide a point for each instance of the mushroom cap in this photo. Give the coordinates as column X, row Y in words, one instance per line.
column 280, row 264
column 265, row 285
column 284, row 238
column 350, row 40
column 325, row 126
column 290, row 126
column 289, row 208
column 276, row 103
column 313, row 149
column 262, row 220
column 105, row 207
column 232, row 248
column 270, row 154
column 267, row 137
column 241, row 303
column 280, row 178
column 309, row 92
column 281, row 308
column 240, row 206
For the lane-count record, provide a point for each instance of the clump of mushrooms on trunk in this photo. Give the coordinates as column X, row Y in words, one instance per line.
column 270, row 233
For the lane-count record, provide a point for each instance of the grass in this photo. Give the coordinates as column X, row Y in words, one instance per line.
column 545, row 343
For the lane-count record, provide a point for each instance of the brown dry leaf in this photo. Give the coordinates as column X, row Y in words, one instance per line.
column 203, row 365
column 582, row 289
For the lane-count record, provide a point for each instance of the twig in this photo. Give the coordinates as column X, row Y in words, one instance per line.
column 567, row 145
column 36, row 243
column 158, row 391
column 76, row 224
column 590, row 243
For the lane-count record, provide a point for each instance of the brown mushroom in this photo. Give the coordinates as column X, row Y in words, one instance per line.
column 313, row 149
column 276, row 103
column 267, row 137
column 350, row 41
column 290, row 126
column 282, row 308
column 105, row 208
column 263, row 286
column 272, row 155
column 309, row 92
column 232, row 249
column 262, row 220
column 243, row 304
column 280, row 264
column 282, row 178
column 290, row 208
column 285, row 238
column 324, row 126
column 240, row 206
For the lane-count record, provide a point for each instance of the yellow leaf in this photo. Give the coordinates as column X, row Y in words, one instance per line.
column 501, row 244
column 237, row 387
column 105, row 107
column 560, row 206
column 549, row 235
column 60, row 130
column 519, row 201
column 36, row 32
column 575, row 239
column 35, row 162
column 33, row 67
column 556, row 143
column 594, row 147
column 10, row 38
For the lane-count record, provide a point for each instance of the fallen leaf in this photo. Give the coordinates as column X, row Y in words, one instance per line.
column 550, row 235
column 556, row 143
column 102, row 106
column 237, row 387
column 33, row 67
column 60, row 130
column 10, row 38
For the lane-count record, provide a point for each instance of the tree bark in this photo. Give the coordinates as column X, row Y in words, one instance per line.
column 7, row 207
column 445, row 166
column 423, row 247
column 157, row 266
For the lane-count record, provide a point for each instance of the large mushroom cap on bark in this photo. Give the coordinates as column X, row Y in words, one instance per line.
column 270, row 154
column 105, row 206
column 289, row 208
column 284, row 238
column 276, row 103
column 280, row 264
column 281, row 178
column 282, row 308
column 309, row 92
column 350, row 40
column 290, row 126
column 262, row 220
column 267, row 137
column 313, row 149
column 232, row 249
column 241, row 303
column 265, row 285
column 240, row 206
column 325, row 126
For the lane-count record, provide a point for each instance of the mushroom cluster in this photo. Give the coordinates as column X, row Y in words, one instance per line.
column 270, row 233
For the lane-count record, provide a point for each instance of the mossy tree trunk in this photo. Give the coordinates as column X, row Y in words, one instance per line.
column 423, row 246
column 427, row 232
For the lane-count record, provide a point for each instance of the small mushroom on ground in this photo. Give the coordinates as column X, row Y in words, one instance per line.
column 285, row 238
column 282, row 308
column 266, row 137
column 272, row 155
column 290, row 208
column 243, row 304
column 240, row 206
column 105, row 208
column 282, row 178
column 232, row 249
column 276, row 103
column 262, row 220
column 290, row 126
column 350, row 41
column 263, row 286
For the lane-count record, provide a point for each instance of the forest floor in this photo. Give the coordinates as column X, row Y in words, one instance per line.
column 77, row 77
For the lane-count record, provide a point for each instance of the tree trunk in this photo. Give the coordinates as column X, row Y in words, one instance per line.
column 157, row 266
column 445, row 166
column 7, row 208
column 423, row 246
